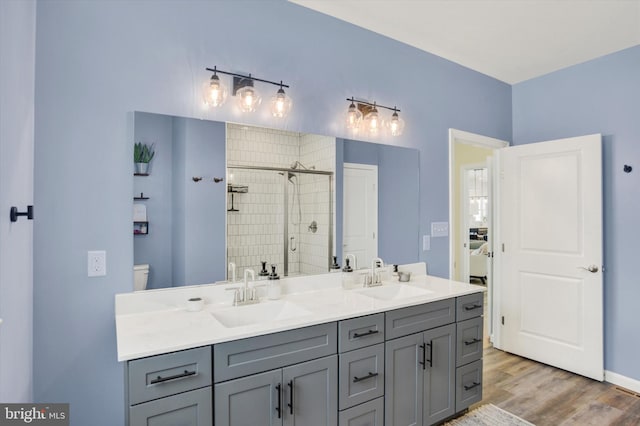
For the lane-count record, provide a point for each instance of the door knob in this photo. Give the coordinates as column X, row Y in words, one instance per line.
column 591, row 268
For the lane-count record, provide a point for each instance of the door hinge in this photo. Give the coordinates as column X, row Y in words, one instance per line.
column 374, row 235
column 503, row 320
column 503, row 247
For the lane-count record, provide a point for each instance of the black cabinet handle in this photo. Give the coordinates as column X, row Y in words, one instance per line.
column 279, row 407
column 368, row 376
column 472, row 341
column 368, row 333
column 430, row 360
column 424, row 356
column 469, row 387
column 177, row 376
column 472, row 307
column 290, row 404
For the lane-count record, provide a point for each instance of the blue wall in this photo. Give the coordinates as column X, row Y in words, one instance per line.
column 98, row 61
column 155, row 248
column 600, row 96
column 398, row 201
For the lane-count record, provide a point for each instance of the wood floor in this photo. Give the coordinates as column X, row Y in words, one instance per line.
column 547, row 396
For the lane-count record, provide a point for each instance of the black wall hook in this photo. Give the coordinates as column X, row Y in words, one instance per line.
column 627, row 168
column 15, row 213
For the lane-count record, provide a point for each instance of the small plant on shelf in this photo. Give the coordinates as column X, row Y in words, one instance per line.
column 142, row 156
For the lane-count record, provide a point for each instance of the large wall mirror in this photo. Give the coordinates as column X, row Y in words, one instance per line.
column 219, row 193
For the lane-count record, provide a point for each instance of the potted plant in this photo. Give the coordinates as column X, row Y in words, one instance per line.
column 142, row 155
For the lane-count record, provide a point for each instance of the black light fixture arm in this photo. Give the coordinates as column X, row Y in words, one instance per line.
column 352, row 100
column 248, row 77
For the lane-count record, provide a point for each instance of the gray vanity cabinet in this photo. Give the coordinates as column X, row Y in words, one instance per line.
column 302, row 394
column 420, row 377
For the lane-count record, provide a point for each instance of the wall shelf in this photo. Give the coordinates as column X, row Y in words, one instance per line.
column 141, row 174
column 237, row 189
column 140, row 228
column 141, row 197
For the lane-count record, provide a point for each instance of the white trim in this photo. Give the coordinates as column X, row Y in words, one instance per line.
column 460, row 136
column 622, row 381
column 360, row 166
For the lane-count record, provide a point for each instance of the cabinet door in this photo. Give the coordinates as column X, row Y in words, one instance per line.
column 310, row 396
column 252, row 400
column 186, row 409
column 403, row 381
column 440, row 374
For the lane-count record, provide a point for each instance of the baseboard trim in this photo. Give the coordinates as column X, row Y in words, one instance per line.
column 622, row 381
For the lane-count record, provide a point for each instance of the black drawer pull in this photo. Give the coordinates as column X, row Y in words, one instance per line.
column 472, row 307
column 368, row 333
column 368, row 376
column 469, row 387
column 424, row 356
column 177, row 376
column 279, row 407
column 472, row 341
column 430, row 360
column 290, row 404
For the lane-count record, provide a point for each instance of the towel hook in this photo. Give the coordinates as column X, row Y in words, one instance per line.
column 15, row 213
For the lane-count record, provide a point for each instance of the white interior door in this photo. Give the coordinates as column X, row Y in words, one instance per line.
column 551, row 260
column 360, row 212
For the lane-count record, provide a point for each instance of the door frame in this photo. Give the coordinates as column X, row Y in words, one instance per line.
column 493, row 287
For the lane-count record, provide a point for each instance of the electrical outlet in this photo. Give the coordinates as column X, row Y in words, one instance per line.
column 96, row 263
column 439, row 229
column 426, row 242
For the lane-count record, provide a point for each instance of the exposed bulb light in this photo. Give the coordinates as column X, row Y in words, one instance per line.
column 353, row 117
column 214, row 92
column 396, row 124
column 248, row 98
column 280, row 104
column 372, row 121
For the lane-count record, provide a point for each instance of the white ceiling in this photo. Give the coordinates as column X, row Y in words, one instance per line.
column 511, row 40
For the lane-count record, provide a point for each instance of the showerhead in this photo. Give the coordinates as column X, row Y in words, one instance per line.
column 297, row 164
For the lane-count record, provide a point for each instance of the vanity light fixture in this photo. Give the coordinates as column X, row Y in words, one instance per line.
column 363, row 115
column 248, row 97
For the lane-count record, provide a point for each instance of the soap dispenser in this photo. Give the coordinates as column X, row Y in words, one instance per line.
column 347, row 267
column 263, row 274
column 334, row 266
column 273, row 289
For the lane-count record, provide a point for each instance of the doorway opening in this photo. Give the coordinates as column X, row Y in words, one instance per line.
column 472, row 213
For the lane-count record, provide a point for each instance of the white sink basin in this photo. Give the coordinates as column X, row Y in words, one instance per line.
column 394, row 292
column 239, row 316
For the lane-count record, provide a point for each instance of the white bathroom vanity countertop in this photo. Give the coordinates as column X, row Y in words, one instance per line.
column 154, row 322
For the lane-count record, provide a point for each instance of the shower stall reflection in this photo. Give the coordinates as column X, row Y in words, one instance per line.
column 281, row 216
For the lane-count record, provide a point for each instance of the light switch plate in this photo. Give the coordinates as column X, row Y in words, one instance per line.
column 96, row 263
column 439, row 229
column 426, row 242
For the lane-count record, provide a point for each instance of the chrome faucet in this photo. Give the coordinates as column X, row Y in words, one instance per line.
column 245, row 295
column 375, row 276
column 232, row 267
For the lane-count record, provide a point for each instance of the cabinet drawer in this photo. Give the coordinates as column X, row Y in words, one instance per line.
column 359, row 332
column 256, row 354
column 414, row 319
column 470, row 306
column 361, row 375
column 189, row 409
column 469, row 345
column 162, row 375
column 368, row 414
column 468, row 385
